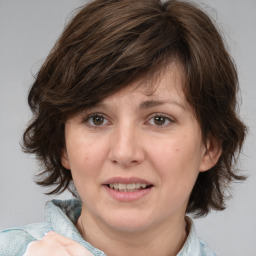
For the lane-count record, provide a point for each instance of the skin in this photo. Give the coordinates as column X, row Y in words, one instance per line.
column 150, row 136
column 56, row 245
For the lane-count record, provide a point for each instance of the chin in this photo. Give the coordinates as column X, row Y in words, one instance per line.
column 128, row 222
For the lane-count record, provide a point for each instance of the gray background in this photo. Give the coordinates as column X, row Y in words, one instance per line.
column 28, row 30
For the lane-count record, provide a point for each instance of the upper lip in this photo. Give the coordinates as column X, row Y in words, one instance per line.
column 125, row 180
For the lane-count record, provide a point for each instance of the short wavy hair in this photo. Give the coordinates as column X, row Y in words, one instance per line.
column 110, row 43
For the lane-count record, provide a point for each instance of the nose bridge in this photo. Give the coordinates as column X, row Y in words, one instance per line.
column 126, row 147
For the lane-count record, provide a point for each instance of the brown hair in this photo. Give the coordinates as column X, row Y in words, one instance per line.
column 110, row 43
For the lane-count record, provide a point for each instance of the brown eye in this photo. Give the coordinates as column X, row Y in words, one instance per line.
column 95, row 120
column 159, row 120
column 98, row 120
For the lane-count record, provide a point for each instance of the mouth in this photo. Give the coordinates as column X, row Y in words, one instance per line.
column 130, row 187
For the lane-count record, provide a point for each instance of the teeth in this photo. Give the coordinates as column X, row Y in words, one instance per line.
column 127, row 187
column 131, row 186
column 122, row 186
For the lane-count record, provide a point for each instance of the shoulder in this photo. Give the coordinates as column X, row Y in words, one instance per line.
column 14, row 241
column 60, row 216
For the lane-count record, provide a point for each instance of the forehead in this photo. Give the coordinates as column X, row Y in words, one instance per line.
column 165, row 84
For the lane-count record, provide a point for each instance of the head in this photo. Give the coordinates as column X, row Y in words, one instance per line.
column 109, row 45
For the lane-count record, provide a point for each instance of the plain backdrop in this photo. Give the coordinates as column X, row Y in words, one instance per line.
column 28, row 30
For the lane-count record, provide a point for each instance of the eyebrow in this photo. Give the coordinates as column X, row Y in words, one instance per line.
column 153, row 103
column 146, row 104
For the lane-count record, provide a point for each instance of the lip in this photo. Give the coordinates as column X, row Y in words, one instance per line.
column 127, row 180
column 122, row 196
column 131, row 196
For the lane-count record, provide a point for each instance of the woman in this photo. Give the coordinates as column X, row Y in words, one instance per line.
column 134, row 113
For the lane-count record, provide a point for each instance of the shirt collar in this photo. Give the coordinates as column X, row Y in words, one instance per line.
column 192, row 244
column 63, row 216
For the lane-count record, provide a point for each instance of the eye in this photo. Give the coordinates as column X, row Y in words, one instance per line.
column 160, row 120
column 95, row 120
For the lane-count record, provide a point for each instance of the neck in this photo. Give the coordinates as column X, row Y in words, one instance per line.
column 162, row 240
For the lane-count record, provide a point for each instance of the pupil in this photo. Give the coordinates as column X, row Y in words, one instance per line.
column 159, row 120
column 97, row 120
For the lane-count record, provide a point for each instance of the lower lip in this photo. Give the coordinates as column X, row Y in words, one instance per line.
column 127, row 196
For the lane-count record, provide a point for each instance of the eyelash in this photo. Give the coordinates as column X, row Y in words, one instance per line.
column 90, row 117
column 166, row 118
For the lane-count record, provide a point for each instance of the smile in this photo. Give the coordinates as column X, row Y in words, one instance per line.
column 132, row 187
column 127, row 189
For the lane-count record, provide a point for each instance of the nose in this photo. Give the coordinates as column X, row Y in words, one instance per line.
column 126, row 146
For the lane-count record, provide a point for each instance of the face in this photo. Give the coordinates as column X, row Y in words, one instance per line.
column 135, row 157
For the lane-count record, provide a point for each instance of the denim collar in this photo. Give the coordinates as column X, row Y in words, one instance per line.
column 63, row 215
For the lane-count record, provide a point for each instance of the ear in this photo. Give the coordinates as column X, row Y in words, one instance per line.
column 211, row 155
column 64, row 159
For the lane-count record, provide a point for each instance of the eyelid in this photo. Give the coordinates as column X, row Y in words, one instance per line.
column 168, row 117
column 91, row 115
column 160, row 114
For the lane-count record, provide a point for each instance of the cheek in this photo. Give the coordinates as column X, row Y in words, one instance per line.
column 84, row 170
column 86, row 159
column 178, row 161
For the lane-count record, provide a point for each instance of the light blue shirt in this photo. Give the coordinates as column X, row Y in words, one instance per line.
column 61, row 217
